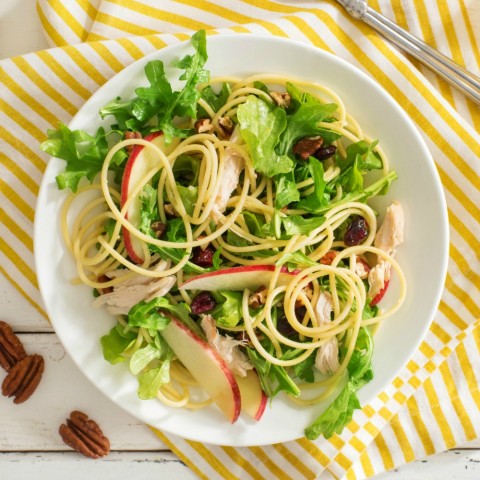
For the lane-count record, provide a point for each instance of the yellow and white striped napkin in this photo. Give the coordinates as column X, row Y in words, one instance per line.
column 434, row 403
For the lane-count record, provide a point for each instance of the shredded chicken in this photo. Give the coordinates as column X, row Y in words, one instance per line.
column 233, row 166
column 326, row 360
column 390, row 234
column 377, row 277
column 134, row 289
column 227, row 347
column 362, row 268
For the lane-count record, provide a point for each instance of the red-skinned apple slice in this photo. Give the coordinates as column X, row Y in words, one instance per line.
column 238, row 278
column 206, row 366
column 139, row 163
column 254, row 399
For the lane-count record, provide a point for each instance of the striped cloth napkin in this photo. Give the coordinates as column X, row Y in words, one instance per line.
column 434, row 404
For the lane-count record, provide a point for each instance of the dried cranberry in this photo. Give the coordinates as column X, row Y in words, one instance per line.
column 325, row 152
column 283, row 325
column 357, row 231
column 203, row 257
column 202, row 303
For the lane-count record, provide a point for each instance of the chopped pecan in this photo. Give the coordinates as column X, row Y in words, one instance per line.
column 169, row 210
column 258, row 298
column 203, row 125
column 281, row 99
column 23, row 378
column 84, row 435
column 307, row 147
column 308, row 291
column 11, row 348
column 130, row 136
column 226, row 126
column 159, row 229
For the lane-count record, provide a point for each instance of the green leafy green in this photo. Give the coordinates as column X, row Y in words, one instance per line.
column 150, row 381
column 261, row 126
column 340, row 412
column 228, row 311
column 215, row 100
column 116, row 342
column 143, row 356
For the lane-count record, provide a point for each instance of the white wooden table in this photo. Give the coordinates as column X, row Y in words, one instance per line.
column 30, row 447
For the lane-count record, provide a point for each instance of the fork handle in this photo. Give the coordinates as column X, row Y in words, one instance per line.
column 465, row 81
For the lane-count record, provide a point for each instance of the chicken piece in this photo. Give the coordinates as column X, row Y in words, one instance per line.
column 378, row 276
column 390, row 234
column 233, row 166
column 227, row 347
column 134, row 289
column 326, row 359
column 362, row 268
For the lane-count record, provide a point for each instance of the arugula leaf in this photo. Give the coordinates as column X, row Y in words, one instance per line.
column 261, row 126
column 304, row 369
column 298, row 225
column 228, row 311
column 286, row 190
column 83, row 153
column 115, row 343
column 317, row 199
column 189, row 196
column 304, row 121
column 147, row 314
column 215, row 100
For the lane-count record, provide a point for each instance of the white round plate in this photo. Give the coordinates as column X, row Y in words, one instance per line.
column 423, row 256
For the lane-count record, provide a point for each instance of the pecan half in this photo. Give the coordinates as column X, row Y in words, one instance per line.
column 84, row 435
column 203, row 125
column 281, row 99
column 130, row 136
column 11, row 348
column 307, row 146
column 23, row 378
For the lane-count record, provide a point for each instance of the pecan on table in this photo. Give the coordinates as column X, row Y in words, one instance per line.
column 84, row 435
column 23, row 378
column 11, row 348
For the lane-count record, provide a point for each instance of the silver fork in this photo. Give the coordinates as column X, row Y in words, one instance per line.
column 465, row 81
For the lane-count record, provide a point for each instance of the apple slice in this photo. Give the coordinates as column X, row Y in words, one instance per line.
column 206, row 366
column 238, row 278
column 139, row 163
column 254, row 399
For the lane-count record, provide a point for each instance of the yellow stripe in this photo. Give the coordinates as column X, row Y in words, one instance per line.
column 399, row 12
column 263, row 457
column 215, row 9
column 156, row 41
column 309, row 32
column 26, row 98
column 51, row 31
column 18, row 261
column 337, row 442
column 427, row 350
column 69, row 19
column 95, row 37
column 88, row 7
column 460, row 410
column 86, row 65
column 108, row 57
column 22, row 148
column 52, row 63
column 357, row 444
column 294, row 461
column 20, row 120
column 275, row 7
column 179, row 453
column 420, row 427
column 452, row 316
column 464, row 266
column 24, row 294
column 15, row 229
column 14, row 169
column 343, row 461
column 210, row 458
column 242, row 462
column 366, row 464
column 463, row 297
column 371, row 429
column 131, row 48
column 465, row 232
column 468, row 372
column 313, row 451
column 385, row 454
column 17, row 200
column 429, row 38
column 123, row 25
column 402, row 440
column 440, row 333
column 440, row 418
column 45, row 86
